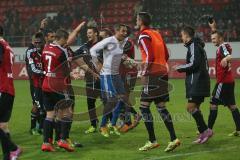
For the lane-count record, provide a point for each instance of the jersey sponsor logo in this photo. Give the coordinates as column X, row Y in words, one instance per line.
column 39, row 65
column 51, row 74
column 48, row 52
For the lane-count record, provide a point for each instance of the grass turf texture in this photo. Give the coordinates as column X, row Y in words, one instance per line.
column 126, row 146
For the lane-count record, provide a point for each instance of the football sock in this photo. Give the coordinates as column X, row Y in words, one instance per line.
column 57, row 127
column 108, row 109
column 92, row 111
column 198, row 117
column 212, row 118
column 116, row 112
column 65, row 127
column 33, row 119
column 47, row 130
column 167, row 119
column 12, row 146
column 133, row 111
column 41, row 119
column 127, row 118
column 4, row 143
column 148, row 121
column 236, row 118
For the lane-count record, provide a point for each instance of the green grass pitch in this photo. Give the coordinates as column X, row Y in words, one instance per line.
column 126, row 146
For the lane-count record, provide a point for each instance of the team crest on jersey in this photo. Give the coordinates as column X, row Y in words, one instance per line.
column 111, row 46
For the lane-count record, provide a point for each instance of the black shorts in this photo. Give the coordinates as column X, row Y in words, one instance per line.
column 196, row 99
column 157, row 90
column 223, row 94
column 129, row 82
column 6, row 106
column 53, row 100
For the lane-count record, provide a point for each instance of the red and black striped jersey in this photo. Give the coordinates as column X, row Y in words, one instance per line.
column 57, row 68
column 223, row 75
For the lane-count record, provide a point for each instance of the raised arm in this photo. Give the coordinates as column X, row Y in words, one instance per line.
column 74, row 33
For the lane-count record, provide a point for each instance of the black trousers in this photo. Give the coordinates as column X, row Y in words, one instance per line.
column 93, row 92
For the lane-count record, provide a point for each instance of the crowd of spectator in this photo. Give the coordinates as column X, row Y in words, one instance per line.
column 18, row 32
column 14, row 29
column 168, row 17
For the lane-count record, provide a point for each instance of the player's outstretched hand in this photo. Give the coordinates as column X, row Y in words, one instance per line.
column 80, row 26
column 96, row 76
column 174, row 67
column 44, row 23
column 224, row 63
column 213, row 25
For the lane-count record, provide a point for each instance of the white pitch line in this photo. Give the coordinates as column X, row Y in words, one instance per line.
column 190, row 154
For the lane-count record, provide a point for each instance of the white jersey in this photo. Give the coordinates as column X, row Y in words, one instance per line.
column 112, row 54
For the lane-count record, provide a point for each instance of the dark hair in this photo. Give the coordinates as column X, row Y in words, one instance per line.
column 39, row 35
column 95, row 29
column 219, row 33
column 107, row 31
column 61, row 33
column 46, row 31
column 189, row 30
column 1, row 30
column 146, row 18
column 129, row 30
column 117, row 27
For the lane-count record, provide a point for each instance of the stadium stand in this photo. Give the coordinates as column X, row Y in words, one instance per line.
column 21, row 18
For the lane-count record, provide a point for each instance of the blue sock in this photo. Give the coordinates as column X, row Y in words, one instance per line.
column 104, row 121
column 116, row 113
